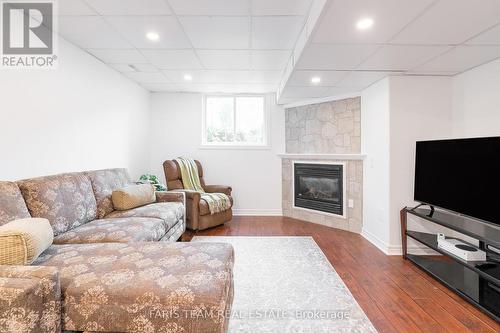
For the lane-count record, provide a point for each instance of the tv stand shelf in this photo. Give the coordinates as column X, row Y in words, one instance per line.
column 473, row 280
column 474, row 228
column 431, row 241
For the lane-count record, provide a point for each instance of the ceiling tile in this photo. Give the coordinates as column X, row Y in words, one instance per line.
column 429, row 73
column 462, row 58
column 269, row 59
column 338, row 91
column 328, row 78
column 123, row 68
column 160, row 87
column 217, row 32
column 147, row 77
column 90, row 32
column 338, row 24
column 489, row 37
column 119, row 56
column 276, row 32
column 214, row 76
column 127, row 68
column 401, row 57
column 451, row 22
column 304, row 92
column 334, row 57
column 147, row 68
column 362, row 79
column 225, row 59
column 74, row 7
column 129, row 7
column 210, row 7
column 173, row 59
column 134, row 29
column 228, row 88
column 280, row 7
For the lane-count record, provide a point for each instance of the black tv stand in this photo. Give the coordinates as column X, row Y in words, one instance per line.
column 431, row 213
column 476, row 281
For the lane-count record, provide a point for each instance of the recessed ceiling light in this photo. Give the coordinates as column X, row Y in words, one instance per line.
column 188, row 77
column 152, row 36
column 315, row 79
column 365, row 23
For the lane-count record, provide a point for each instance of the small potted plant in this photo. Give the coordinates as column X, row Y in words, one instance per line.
column 153, row 180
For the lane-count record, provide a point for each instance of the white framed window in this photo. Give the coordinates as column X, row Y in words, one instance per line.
column 240, row 121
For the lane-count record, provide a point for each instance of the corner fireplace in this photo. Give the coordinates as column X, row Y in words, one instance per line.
column 319, row 187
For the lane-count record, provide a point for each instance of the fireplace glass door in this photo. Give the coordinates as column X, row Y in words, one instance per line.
column 319, row 187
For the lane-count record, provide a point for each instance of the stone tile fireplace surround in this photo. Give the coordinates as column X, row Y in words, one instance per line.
column 326, row 133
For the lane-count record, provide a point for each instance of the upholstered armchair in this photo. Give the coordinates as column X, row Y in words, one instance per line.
column 197, row 210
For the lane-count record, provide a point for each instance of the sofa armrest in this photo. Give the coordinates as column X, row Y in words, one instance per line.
column 31, row 299
column 218, row 189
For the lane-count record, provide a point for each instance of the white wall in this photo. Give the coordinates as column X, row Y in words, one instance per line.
column 397, row 112
column 80, row 116
column 255, row 175
column 375, row 144
column 476, row 102
column 420, row 109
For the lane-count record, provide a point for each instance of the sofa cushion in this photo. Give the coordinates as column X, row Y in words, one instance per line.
column 12, row 205
column 22, row 241
column 169, row 212
column 133, row 196
column 134, row 287
column 119, row 230
column 104, row 182
column 66, row 200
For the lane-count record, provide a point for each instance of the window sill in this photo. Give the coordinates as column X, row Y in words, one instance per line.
column 233, row 147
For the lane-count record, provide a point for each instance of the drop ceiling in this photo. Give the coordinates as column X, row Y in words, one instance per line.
column 258, row 46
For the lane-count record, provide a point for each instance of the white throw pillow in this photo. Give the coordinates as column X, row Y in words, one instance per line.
column 22, row 241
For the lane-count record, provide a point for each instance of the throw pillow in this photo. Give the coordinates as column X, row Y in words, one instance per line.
column 22, row 241
column 133, row 196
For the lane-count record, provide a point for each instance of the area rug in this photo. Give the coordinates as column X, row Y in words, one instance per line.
column 286, row 284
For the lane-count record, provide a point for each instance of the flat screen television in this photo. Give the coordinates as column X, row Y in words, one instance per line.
column 460, row 175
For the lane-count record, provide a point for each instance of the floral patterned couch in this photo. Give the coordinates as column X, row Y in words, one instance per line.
column 111, row 271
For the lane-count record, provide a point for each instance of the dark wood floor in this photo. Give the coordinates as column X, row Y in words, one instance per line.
column 396, row 295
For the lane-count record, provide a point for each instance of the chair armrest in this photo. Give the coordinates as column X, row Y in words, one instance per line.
column 30, row 292
column 218, row 189
column 190, row 195
column 192, row 207
column 171, row 197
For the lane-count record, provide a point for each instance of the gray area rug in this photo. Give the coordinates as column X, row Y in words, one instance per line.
column 286, row 284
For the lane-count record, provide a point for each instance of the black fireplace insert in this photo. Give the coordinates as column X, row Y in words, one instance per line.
column 319, row 187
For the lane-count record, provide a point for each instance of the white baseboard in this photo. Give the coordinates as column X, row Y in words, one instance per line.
column 257, row 212
column 395, row 250
column 381, row 245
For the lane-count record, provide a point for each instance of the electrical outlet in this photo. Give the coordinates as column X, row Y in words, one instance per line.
column 351, row 203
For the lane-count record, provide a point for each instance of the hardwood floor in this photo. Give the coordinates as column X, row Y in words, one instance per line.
column 395, row 294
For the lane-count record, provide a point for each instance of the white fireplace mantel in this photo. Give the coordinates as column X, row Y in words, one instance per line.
column 332, row 157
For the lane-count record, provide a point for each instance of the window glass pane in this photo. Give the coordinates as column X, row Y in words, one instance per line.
column 219, row 119
column 250, row 120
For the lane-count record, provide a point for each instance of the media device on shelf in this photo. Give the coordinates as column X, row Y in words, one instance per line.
column 460, row 248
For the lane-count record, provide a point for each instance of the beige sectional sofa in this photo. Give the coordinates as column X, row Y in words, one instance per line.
column 107, row 270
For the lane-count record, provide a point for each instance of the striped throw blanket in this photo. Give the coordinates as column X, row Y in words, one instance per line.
column 217, row 202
